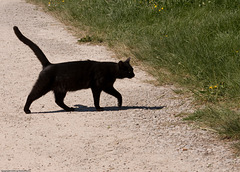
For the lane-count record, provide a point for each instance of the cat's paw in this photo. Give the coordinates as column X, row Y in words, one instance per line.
column 99, row 109
column 27, row 111
column 119, row 104
column 70, row 109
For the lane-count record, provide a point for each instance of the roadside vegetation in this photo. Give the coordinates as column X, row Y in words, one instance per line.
column 194, row 43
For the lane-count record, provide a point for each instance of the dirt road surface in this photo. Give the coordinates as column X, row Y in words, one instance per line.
column 142, row 136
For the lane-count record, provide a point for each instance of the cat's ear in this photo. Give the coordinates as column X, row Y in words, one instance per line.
column 128, row 60
column 120, row 64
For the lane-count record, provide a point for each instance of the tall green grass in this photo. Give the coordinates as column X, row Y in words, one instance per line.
column 196, row 40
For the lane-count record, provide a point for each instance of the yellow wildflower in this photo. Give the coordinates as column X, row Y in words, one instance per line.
column 211, row 87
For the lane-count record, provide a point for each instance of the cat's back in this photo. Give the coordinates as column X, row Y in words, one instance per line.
column 87, row 65
column 74, row 66
column 81, row 68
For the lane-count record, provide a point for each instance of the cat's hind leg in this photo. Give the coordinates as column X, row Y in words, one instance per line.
column 40, row 88
column 59, row 97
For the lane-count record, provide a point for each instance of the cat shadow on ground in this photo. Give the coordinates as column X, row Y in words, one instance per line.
column 82, row 108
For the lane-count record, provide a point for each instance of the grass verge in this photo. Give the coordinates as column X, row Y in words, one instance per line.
column 224, row 121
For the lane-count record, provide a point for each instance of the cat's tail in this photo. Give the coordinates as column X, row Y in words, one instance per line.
column 38, row 52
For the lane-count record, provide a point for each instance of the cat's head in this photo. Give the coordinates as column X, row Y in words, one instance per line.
column 125, row 69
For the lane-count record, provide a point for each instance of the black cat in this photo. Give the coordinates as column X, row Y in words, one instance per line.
column 72, row 76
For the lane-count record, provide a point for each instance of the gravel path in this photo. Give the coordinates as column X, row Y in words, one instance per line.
column 145, row 135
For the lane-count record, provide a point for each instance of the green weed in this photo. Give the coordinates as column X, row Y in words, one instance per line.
column 92, row 39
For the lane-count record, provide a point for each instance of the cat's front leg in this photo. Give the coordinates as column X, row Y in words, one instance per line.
column 120, row 103
column 112, row 91
column 96, row 97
